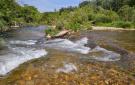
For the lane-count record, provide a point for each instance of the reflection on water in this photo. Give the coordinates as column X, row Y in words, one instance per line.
column 125, row 39
column 27, row 33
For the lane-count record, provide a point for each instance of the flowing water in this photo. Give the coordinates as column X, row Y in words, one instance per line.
column 125, row 39
column 19, row 48
column 29, row 43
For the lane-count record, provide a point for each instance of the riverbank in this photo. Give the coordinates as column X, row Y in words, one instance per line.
column 112, row 28
column 52, row 31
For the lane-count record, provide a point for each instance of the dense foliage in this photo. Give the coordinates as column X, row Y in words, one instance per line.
column 118, row 13
column 11, row 13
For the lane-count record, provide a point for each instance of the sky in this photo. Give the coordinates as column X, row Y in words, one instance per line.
column 50, row 5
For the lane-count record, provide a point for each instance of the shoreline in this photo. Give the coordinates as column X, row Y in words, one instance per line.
column 94, row 28
column 112, row 28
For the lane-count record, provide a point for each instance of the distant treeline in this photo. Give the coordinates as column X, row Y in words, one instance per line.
column 12, row 13
column 118, row 13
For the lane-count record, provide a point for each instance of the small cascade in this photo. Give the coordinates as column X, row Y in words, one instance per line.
column 30, row 43
column 101, row 54
column 97, row 53
column 67, row 45
column 18, row 56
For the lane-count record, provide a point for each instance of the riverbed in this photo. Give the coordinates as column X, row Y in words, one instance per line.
column 92, row 57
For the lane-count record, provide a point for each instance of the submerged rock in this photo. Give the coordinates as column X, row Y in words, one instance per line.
column 67, row 68
column 101, row 54
column 61, row 34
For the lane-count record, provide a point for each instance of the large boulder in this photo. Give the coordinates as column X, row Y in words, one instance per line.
column 61, row 34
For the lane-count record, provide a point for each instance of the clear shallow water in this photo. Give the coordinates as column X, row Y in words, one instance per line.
column 124, row 39
column 18, row 56
column 29, row 43
column 18, row 49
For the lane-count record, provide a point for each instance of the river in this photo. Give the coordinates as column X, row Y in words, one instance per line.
column 80, row 55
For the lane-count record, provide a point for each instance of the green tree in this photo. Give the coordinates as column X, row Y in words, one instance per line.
column 127, row 13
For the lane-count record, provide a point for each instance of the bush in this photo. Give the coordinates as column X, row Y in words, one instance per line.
column 51, row 31
column 87, row 26
column 2, row 25
column 91, row 17
column 73, row 26
column 127, row 13
column 102, row 19
column 122, row 24
column 59, row 25
column 133, row 24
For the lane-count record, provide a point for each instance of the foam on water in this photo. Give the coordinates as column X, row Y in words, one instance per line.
column 18, row 56
column 79, row 46
column 82, row 41
column 28, row 42
column 67, row 45
column 67, row 68
column 105, row 55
